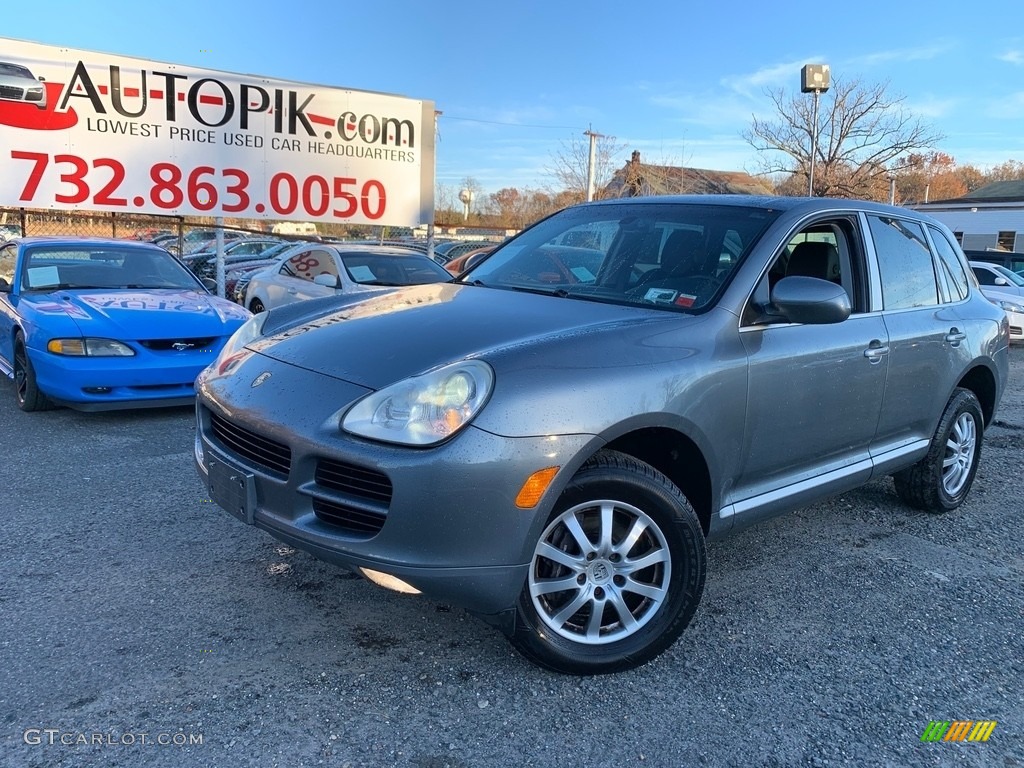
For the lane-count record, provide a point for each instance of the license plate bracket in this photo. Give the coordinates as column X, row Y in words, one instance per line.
column 231, row 488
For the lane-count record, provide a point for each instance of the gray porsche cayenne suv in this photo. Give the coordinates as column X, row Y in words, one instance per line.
column 549, row 440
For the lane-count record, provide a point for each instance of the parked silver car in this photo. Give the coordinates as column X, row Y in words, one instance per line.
column 549, row 441
column 17, row 83
column 329, row 269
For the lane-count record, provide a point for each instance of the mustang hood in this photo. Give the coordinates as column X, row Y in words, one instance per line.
column 141, row 314
column 376, row 341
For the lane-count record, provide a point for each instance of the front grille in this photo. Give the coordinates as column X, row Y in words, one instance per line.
column 163, row 345
column 355, row 481
column 358, row 521
column 260, row 450
column 10, row 92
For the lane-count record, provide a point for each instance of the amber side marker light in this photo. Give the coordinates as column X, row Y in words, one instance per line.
column 535, row 486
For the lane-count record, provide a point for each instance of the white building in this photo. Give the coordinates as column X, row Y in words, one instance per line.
column 990, row 218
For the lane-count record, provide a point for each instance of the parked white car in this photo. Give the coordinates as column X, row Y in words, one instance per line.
column 322, row 269
column 996, row 277
column 1013, row 306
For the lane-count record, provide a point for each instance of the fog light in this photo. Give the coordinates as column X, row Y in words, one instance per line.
column 96, row 390
column 388, row 581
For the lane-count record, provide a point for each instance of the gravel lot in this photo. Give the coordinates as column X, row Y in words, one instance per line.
column 132, row 610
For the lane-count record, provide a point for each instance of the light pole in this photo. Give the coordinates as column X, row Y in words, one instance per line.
column 814, row 78
column 892, row 187
column 591, row 170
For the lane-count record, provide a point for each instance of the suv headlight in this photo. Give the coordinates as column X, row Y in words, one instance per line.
column 1009, row 306
column 89, row 348
column 425, row 409
column 232, row 352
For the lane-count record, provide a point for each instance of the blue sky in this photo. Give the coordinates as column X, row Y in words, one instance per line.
column 516, row 81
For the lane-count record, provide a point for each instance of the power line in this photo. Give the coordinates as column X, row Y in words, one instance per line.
column 517, row 125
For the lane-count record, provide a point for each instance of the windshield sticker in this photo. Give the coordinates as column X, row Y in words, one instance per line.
column 685, row 300
column 362, row 273
column 42, row 276
column 660, row 295
column 583, row 274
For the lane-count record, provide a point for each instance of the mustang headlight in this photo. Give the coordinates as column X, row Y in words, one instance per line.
column 232, row 352
column 89, row 348
column 426, row 409
column 1010, row 306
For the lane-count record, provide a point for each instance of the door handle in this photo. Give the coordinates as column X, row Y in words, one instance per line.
column 955, row 336
column 876, row 351
column 292, row 291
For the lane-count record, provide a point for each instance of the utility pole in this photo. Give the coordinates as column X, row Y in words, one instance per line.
column 590, row 162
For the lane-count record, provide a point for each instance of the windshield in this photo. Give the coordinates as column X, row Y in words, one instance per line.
column 393, row 269
column 676, row 256
column 1010, row 275
column 48, row 267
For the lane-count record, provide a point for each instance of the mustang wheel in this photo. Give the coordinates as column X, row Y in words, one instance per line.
column 30, row 398
column 256, row 306
column 617, row 573
column 942, row 479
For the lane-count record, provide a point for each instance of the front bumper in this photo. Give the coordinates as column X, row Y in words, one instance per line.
column 447, row 525
column 99, row 383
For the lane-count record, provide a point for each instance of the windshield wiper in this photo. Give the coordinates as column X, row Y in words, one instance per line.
column 70, row 287
column 559, row 292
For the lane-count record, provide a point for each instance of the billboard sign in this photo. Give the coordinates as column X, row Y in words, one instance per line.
column 92, row 131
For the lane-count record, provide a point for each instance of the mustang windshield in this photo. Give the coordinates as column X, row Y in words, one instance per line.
column 671, row 256
column 49, row 267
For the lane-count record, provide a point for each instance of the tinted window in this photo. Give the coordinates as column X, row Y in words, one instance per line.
column 985, row 276
column 951, row 265
column 908, row 273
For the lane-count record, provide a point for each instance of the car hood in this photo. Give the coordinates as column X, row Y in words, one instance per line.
column 376, row 341
column 1000, row 294
column 141, row 314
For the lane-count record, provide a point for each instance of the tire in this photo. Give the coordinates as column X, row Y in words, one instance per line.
column 256, row 306
column 659, row 598
column 942, row 479
column 27, row 392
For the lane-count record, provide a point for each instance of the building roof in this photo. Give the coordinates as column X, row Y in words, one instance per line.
column 636, row 178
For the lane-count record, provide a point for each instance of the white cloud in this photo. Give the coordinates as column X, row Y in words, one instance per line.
column 1009, row 107
column 754, row 83
column 921, row 53
column 1012, row 57
column 931, row 107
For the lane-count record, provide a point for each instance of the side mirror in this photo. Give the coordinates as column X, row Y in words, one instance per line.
column 1002, row 281
column 811, row 301
column 42, row 79
column 5, row 287
column 331, row 281
column 210, row 284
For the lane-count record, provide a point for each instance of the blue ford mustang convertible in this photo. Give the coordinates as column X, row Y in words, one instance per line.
column 99, row 324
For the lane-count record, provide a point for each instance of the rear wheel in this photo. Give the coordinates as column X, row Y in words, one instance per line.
column 27, row 392
column 942, row 479
column 617, row 573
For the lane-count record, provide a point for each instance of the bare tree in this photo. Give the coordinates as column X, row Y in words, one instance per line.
column 861, row 132
column 569, row 165
column 1010, row 170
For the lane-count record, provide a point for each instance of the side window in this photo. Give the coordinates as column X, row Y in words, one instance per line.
column 905, row 263
column 828, row 250
column 306, row 265
column 951, row 265
column 985, row 276
column 8, row 256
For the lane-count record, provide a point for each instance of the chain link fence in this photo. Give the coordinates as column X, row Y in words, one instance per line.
column 26, row 222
